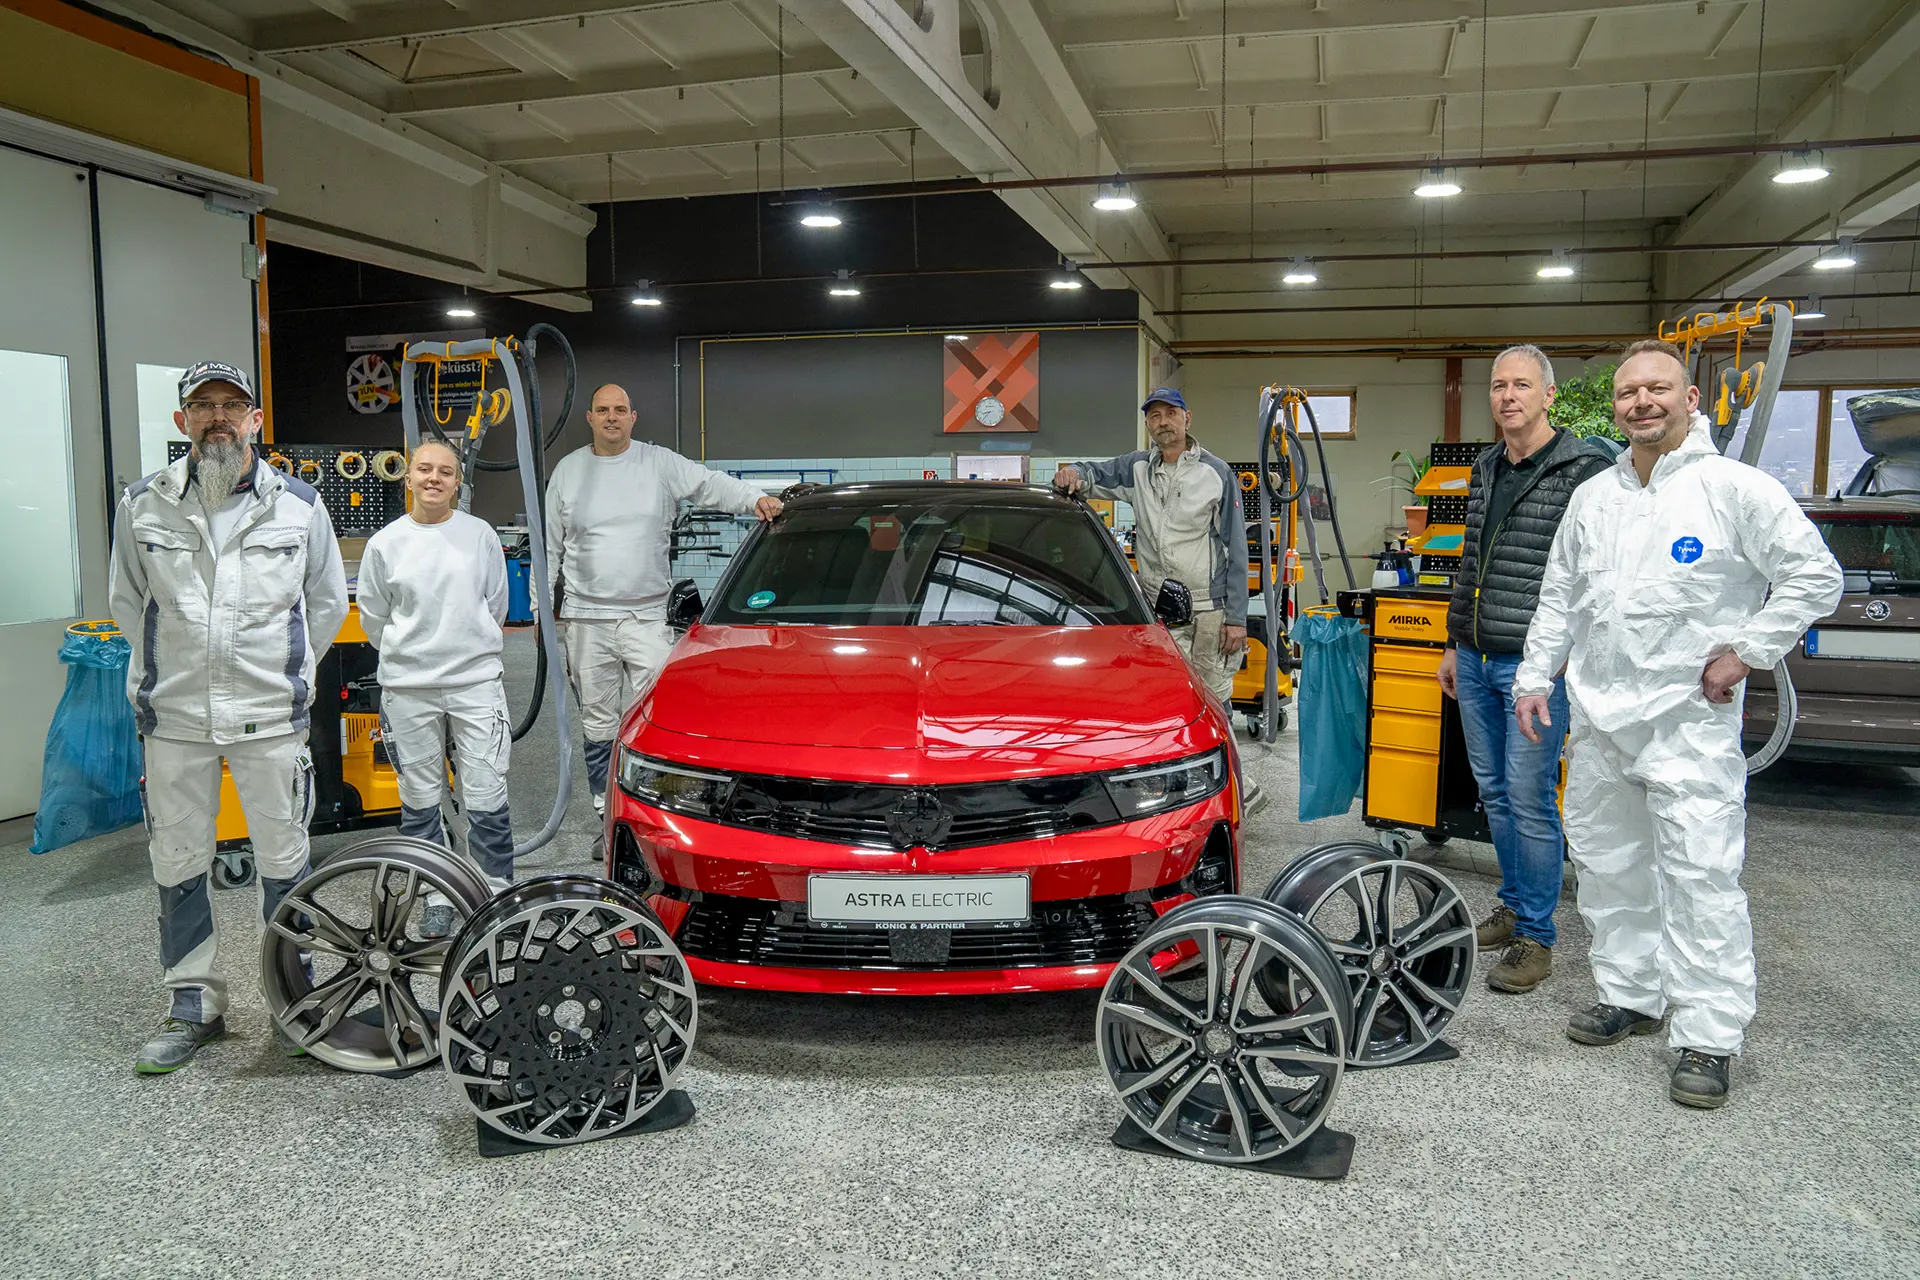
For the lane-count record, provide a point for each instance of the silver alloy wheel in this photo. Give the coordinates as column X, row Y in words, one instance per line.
column 346, row 964
column 569, row 1011
column 1201, row 1058
column 1403, row 936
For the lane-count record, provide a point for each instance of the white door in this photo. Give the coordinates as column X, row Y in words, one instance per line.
column 176, row 292
column 53, row 487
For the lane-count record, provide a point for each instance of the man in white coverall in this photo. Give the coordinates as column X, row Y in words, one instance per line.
column 610, row 512
column 1657, row 587
column 432, row 596
column 227, row 582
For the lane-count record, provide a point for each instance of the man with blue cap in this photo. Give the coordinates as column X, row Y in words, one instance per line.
column 1187, row 527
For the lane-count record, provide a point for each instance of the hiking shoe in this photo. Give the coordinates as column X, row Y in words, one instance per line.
column 175, row 1043
column 1496, row 930
column 1524, row 967
column 1609, row 1024
column 1700, row 1080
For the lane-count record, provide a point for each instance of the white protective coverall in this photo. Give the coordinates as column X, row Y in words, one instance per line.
column 1644, row 586
column 432, row 598
column 608, row 524
column 229, row 612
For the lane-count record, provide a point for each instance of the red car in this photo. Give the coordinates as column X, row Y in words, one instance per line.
column 928, row 739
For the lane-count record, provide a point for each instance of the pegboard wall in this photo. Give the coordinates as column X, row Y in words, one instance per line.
column 359, row 506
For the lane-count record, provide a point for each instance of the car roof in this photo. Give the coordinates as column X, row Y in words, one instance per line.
column 1864, row 505
column 995, row 493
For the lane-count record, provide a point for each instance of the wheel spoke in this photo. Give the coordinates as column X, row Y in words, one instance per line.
column 1427, row 992
column 314, row 942
column 1249, row 967
column 1416, row 1018
column 1236, row 1109
column 1451, row 938
column 1147, row 1018
column 1159, row 1075
column 1149, row 982
column 338, row 931
column 1281, row 1026
column 1284, row 1120
column 1291, row 1053
column 1215, row 964
column 1368, row 1005
column 1433, row 916
column 332, row 999
column 1389, row 891
column 1362, row 904
column 1170, row 1109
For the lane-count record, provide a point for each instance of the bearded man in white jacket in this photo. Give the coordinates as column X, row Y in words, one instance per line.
column 1673, row 575
column 610, row 513
column 432, row 596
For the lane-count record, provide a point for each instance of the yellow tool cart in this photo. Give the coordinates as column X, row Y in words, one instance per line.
column 1417, row 774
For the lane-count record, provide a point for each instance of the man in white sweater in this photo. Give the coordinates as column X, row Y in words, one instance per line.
column 610, row 512
column 433, row 593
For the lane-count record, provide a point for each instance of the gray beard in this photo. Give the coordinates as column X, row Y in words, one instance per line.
column 221, row 464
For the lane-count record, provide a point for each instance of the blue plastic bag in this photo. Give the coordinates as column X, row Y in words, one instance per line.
column 1333, row 706
column 90, row 775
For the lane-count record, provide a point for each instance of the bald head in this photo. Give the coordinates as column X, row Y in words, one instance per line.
column 610, row 416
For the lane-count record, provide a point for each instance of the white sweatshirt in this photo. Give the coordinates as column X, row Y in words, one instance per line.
column 432, row 598
column 608, row 521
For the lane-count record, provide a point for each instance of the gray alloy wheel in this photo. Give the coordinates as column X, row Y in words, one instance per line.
column 1403, row 937
column 348, row 971
column 569, row 1011
column 1199, row 1055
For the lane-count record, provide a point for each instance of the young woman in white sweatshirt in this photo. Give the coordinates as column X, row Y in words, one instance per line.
column 432, row 595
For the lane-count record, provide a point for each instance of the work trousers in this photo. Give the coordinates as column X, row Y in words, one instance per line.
column 1656, row 827
column 274, row 777
column 1200, row 641
column 1519, row 783
column 418, row 726
column 610, row 663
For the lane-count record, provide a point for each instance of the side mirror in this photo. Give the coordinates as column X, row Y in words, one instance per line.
column 684, row 605
column 1174, row 605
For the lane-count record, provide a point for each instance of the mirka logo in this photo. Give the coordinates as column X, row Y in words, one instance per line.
column 1409, row 620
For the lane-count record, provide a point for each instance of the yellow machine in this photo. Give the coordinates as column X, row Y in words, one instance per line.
column 1249, row 683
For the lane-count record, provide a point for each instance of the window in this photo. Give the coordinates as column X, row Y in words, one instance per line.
column 1333, row 410
column 1792, row 441
column 40, row 573
column 1844, row 454
column 157, row 387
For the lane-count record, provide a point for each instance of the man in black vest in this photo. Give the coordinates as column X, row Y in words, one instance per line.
column 1515, row 499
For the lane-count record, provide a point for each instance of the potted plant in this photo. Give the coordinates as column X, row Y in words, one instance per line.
column 1415, row 512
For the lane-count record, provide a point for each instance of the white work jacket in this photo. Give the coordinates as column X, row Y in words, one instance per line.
column 1646, row 584
column 224, row 646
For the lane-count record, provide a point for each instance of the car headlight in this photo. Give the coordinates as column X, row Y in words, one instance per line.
column 673, row 787
column 1158, row 787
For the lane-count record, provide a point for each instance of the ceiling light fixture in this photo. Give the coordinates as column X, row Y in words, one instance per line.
column 646, row 297
column 1812, row 311
column 1115, row 197
column 1837, row 259
column 1069, row 277
column 1796, row 169
column 1438, row 186
column 843, row 285
column 1555, row 268
column 819, row 218
column 461, row 311
column 1299, row 273
column 956, row 337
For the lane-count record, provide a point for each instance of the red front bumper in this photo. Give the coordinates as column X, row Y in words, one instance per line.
column 686, row 854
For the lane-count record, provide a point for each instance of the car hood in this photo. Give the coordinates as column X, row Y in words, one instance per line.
column 1034, row 688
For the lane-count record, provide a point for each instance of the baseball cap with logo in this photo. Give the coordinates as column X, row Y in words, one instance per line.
column 1164, row 395
column 214, row 371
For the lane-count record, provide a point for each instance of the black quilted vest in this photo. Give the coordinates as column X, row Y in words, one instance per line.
column 1494, row 602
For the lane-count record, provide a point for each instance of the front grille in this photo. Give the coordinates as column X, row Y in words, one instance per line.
column 731, row 930
column 881, row 816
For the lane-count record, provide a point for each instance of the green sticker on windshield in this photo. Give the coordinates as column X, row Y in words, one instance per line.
column 759, row 599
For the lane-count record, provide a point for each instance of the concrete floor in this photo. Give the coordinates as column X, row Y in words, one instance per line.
column 970, row 1137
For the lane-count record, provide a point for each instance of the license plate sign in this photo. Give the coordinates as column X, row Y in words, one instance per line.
column 1861, row 643
column 907, row 900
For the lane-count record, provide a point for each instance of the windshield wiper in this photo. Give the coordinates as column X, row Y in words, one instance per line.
column 965, row 622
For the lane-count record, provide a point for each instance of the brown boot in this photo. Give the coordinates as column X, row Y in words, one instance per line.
column 1524, row 967
column 1496, row 930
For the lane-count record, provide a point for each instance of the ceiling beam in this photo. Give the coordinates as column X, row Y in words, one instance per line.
column 508, row 91
column 1804, row 60
column 533, row 150
column 1271, row 21
column 389, row 23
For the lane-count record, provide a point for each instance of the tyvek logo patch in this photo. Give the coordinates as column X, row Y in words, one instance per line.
column 1687, row 550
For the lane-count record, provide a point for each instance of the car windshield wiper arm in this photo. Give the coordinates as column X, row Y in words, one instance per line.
column 965, row 622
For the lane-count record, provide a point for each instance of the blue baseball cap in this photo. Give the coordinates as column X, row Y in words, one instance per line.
column 1166, row 395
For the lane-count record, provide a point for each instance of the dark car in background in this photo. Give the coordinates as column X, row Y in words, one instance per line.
column 1857, row 672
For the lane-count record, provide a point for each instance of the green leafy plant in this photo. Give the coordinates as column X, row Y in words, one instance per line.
column 1416, row 468
column 1584, row 404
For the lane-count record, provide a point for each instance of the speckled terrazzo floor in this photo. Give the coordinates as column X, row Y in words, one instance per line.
column 970, row 1137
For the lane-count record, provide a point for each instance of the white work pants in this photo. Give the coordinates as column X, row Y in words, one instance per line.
column 274, row 777
column 1200, row 641
column 1656, row 825
column 611, row 662
column 417, row 726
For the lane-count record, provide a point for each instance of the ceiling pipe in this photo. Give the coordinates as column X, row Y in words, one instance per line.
column 1486, row 347
column 1316, row 168
column 1658, row 303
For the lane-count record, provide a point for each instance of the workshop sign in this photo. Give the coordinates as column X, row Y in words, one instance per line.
column 992, row 383
column 374, row 365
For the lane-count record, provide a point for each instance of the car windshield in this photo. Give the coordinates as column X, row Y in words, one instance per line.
column 1875, row 551
column 928, row 562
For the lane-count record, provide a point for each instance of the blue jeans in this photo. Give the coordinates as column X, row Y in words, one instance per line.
column 1517, row 781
